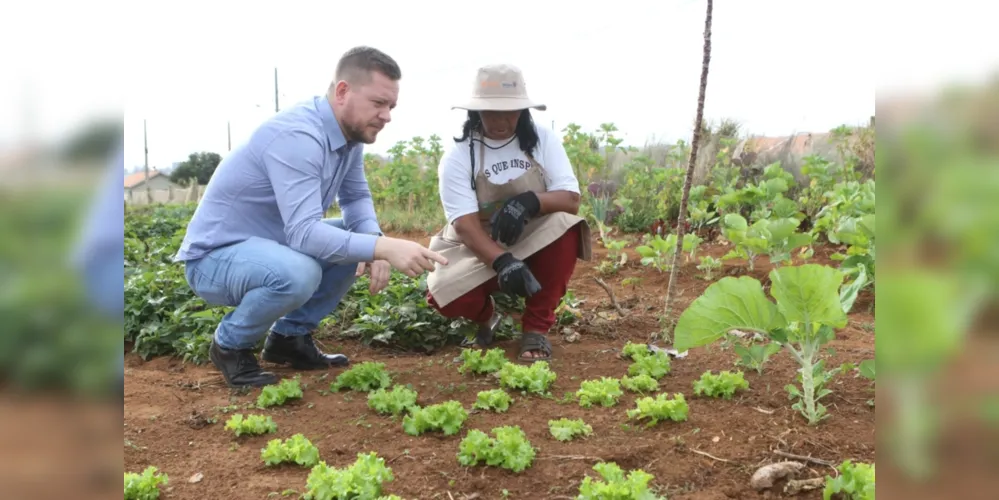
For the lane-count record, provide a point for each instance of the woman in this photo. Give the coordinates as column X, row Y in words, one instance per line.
column 511, row 200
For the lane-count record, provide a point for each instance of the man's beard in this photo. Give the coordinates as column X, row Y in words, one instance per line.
column 356, row 134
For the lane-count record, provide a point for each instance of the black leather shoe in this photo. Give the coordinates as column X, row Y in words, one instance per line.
column 300, row 352
column 239, row 367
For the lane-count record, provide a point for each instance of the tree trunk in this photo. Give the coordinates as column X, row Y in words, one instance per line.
column 692, row 160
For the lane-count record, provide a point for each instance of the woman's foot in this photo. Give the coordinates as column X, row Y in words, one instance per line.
column 534, row 347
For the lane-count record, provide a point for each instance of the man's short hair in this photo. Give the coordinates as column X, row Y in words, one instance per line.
column 356, row 65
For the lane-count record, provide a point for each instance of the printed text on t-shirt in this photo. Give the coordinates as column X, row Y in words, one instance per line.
column 503, row 166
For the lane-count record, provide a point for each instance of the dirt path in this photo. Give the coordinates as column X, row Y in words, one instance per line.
column 167, row 402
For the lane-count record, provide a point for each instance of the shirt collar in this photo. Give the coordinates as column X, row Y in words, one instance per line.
column 330, row 125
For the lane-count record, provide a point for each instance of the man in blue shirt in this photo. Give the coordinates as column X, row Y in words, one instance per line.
column 100, row 253
column 258, row 240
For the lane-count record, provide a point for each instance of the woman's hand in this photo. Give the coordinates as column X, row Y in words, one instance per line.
column 515, row 277
column 509, row 220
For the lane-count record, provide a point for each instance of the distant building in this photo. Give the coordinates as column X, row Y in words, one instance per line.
column 136, row 183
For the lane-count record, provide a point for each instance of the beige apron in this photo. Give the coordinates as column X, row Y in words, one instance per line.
column 465, row 271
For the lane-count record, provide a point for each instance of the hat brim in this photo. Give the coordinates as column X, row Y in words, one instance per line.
column 500, row 104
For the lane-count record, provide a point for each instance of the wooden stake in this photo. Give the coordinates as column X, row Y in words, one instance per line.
column 692, row 160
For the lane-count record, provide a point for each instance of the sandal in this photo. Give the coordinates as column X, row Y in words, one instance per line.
column 534, row 342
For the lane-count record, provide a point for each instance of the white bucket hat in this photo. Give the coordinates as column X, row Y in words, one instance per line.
column 499, row 87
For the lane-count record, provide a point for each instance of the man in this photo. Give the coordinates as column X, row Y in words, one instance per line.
column 100, row 253
column 258, row 240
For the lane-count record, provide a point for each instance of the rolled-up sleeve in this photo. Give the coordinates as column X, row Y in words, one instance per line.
column 293, row 162
column 354, row 197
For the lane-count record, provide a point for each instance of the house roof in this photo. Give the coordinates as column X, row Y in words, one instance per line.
column 132, row 180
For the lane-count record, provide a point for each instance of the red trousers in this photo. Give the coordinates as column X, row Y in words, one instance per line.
column 552, row 266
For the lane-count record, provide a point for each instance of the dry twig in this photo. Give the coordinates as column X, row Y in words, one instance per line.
column 803, row 458
column 699, row 452
column 570, row 457
column 610, row 293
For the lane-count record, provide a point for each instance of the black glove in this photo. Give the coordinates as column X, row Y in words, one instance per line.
column 508, row 221
column 514, row 276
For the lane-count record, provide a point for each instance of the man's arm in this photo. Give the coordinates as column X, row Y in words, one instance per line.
column 355, row 200
column 293, row 162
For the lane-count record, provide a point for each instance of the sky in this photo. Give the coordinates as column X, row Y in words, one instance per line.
column 187, row 68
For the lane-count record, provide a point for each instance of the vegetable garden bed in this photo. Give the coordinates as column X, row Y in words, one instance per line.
column 176, row 412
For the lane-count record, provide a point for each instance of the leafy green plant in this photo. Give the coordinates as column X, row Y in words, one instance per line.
column 614, row 484
column 297, row 449
column 447, row 417
column 145, row 486
column 859, row 262
column 855, row 482
column 655, row 365
column 363, row 377
column 162, row 315
column 722, row 385
column 708, row 265
column 633, row 351
column 567, row 311
column 535, row 379
column 475, row 362
column 691, row 242
column 802, row 321
column 641, row 383
column 253, row 425
column 774, row 237
column 510, row 449
column 701, row 214
column 658, row 253
column 362, row 479
column 660, row 409
column 821, row 179
column 604, row 391
column 820, row 377
column 494, row 399
column 397, row 317
column 754, row 356
column 845, row 200
column 399, row 400
column 280, row 393
column 565, row 429
column 615, row 250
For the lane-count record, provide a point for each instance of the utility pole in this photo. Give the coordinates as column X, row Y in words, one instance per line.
column 145, row 147
column 276, row 107
column 228, row 132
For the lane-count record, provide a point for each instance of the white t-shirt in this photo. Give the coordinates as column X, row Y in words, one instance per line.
column 502, row 165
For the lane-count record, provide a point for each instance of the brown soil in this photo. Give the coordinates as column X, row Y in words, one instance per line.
column 166, row 403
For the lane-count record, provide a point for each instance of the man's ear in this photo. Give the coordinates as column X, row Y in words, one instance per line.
column 340, row 91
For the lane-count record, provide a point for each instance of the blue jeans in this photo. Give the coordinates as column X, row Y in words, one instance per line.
column 272, row 287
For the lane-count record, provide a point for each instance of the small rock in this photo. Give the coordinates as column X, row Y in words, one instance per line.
column 766, row 476
column 196, row 478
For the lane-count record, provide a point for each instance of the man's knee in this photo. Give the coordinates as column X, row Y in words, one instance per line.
column 295, row 279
